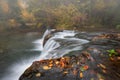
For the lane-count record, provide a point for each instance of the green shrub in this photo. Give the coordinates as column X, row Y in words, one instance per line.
column 112, row 52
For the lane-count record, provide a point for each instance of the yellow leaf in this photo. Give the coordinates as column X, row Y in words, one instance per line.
column 65, row 72
column 102, row 66
column 46, row 67
column 81, row 75
column 50, row 65
column 38, row 75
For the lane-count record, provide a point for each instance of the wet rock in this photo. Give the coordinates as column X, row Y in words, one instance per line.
column 113, row 36
column 85, row 35
column 65, row 66
column 91, row 63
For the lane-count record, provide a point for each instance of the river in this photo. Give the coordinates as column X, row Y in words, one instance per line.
column 15, row 51
column 18, row 51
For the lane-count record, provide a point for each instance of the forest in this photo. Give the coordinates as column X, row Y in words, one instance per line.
column 59, row 14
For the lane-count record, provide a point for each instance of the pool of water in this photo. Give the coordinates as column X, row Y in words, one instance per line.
column 15, row 48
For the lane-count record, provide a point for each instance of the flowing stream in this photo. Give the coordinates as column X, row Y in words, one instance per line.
column 60, row 44
column 53, row 47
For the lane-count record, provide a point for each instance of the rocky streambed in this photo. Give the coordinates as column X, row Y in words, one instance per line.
column 99, row 60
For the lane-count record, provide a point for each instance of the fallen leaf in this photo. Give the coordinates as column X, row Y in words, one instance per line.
column 104, row 71
column 86, row 67
column 62, row 64
column 50, row 65
column 65, row 72
column 102, row 66
column 46, row 67
column 57, row 62
column 81, row 75
column 112, row 59
column 83, row 68
column 78, row 63
column 38, row 75
column 51, row 62
column 118, row 58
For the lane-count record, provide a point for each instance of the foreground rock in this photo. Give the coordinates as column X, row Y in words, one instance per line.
column 71, row 68
column 93, row 63
column 65, row 68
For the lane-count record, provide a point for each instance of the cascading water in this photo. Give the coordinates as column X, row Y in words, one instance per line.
column 39, row 42
column 52, row 48
column 58, row 45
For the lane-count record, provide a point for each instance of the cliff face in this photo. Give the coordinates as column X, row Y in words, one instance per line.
column 93, row 63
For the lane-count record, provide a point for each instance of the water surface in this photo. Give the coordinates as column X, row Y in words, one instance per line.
column 14, row 49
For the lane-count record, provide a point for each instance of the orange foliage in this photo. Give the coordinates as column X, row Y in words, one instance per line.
column 27, row 16
column 22, row 4
column 13, row 22
column 4, row 6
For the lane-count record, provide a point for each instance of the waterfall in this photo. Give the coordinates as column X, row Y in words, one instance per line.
column 39, row 42
column 58, row 45
column 52, row 48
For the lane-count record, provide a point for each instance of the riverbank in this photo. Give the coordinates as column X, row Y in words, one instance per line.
column 42, row 30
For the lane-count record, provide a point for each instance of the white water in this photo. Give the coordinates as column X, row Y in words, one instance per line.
column 51, row 49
